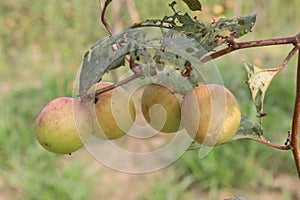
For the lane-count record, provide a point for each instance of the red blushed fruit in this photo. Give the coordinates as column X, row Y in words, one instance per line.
column 62, row 125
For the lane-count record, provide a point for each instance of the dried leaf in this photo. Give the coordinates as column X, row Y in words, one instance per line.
column 259, row 81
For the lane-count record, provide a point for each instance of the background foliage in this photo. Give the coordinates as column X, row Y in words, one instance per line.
column 42, row 44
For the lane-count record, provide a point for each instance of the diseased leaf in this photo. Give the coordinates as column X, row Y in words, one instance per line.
column 248, row 129
column 193, row 4
column 182, row 42
column 210, row 36
column 258, row 82
column 171, row 77
column 101, row 57
column 185, row 47
column 237, row 26
column 182, row 23
column 190, row 52
column 170, row 59
column 207, row 36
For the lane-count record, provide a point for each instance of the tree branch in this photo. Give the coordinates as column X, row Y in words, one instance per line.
column 295, row 126
column 258, row 43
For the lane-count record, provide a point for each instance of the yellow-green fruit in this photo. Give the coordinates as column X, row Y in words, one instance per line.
column 115, row 112
column 62, row 125
column 211, row 114
column 161, row 108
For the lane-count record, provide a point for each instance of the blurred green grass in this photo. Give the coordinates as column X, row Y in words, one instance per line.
column 41, row 48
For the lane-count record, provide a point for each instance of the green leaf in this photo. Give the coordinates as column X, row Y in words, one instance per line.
column 248, row 129
column 258, row 82
column 193, row 4
column 101, row 57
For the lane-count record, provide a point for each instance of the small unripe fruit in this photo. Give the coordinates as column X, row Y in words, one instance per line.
column 211, row 114
column 161, row 108
column 114, row 112
column 62, row 124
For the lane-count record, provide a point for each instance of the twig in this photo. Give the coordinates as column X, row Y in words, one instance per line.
column 250, row 44
column 193, row 149
column 262, row 140
column 288, row 58
column 103, row 19
column 270, row 144
column 295, row 126
column 158, row 23
column 136, row 75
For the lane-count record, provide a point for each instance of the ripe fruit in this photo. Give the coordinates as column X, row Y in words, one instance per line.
column 62, row 124
column 161, row 108
column 211, row 114
column 115, row 112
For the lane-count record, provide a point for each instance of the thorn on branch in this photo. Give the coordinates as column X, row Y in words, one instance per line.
column 289, row 139
column 261, row 115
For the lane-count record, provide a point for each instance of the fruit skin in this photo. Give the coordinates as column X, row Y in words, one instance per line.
column 114, row 112
column 59, row 124
column 170, row 112
column 208, row 108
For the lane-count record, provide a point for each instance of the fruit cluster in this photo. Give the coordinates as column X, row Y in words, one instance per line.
column 209, row 113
